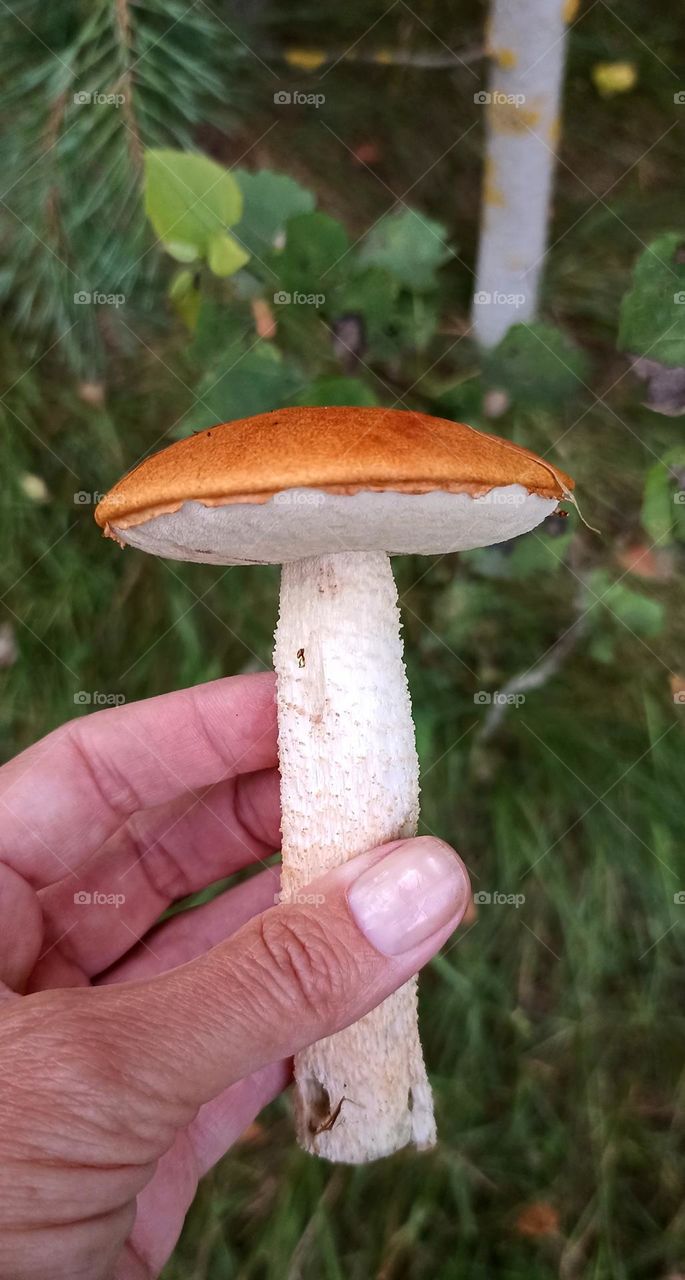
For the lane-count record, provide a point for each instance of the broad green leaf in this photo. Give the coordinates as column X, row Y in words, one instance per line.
column 258, row 380
column 226, row 255
column 269, row 200
column 314, row 245
column 341, row 391
column 185, row 297
column 189, row 199
column 663, row 499
column 652, row 319
column 538, row 365
column 410, row 246
column 219, row 334
column 638, row 613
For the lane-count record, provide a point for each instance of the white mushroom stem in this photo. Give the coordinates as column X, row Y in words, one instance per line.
column 526, row 44
column 349, row 781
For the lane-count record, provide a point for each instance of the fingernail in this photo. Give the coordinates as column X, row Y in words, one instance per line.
column 409, row 895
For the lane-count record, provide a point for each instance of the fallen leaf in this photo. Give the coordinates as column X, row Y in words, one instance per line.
column 264, row 320
column 610, row 78
column 538, row 1219
column 92, row 393
column 367, row 153
column 34, row 487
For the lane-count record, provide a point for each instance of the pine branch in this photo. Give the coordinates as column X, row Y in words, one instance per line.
column 102, row 81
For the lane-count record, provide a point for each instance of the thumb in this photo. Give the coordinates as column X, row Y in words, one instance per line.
column 295, row 974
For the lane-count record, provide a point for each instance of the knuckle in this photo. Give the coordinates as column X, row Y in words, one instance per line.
column 312, row 969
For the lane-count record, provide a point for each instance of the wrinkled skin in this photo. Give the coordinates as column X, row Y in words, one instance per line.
column 133, row 1053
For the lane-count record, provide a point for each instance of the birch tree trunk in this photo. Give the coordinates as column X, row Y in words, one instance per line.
column 526, row 45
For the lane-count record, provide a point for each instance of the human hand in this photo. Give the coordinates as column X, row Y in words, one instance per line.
column 129, row 1067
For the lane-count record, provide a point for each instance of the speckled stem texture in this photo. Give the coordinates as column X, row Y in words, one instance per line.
column 349, row 781
column 526, row 45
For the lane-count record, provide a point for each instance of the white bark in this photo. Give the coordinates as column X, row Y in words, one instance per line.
column 526, row 43
column 349, row 776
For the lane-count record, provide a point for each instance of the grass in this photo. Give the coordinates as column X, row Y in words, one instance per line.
column 553, row 1029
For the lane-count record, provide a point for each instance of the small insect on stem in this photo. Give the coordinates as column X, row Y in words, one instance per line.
column 300, row 658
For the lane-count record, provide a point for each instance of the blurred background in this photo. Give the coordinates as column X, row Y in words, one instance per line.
column 320, row 249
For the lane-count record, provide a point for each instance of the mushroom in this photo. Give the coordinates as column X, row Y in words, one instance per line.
column 330, row 494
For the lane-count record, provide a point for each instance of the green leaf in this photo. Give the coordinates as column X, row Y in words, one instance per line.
column 189, row 200
column 225, row 255
column 663, row 498
column 314, row 245
column 652, row 318
column 538, row 365
column 342, row 391
column 410, row 246
column 638, row 613
column 258, row 380
column 185, row 297
column 269, row 200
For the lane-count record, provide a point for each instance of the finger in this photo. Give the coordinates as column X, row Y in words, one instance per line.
column 159, row 856
column 21, row 929
column 192, row 933
column 163, row 1204
column 62, row 798
column 293, row 975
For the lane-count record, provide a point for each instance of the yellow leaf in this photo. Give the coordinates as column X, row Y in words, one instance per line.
column 614, row 77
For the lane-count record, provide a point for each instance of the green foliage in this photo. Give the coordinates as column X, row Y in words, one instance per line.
column 410, row 246
column 623, row 605
column 537, row 365
column 269, row 201
column 191, row 201
column 663, row 499
column 99, row 84
column 652, row 321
